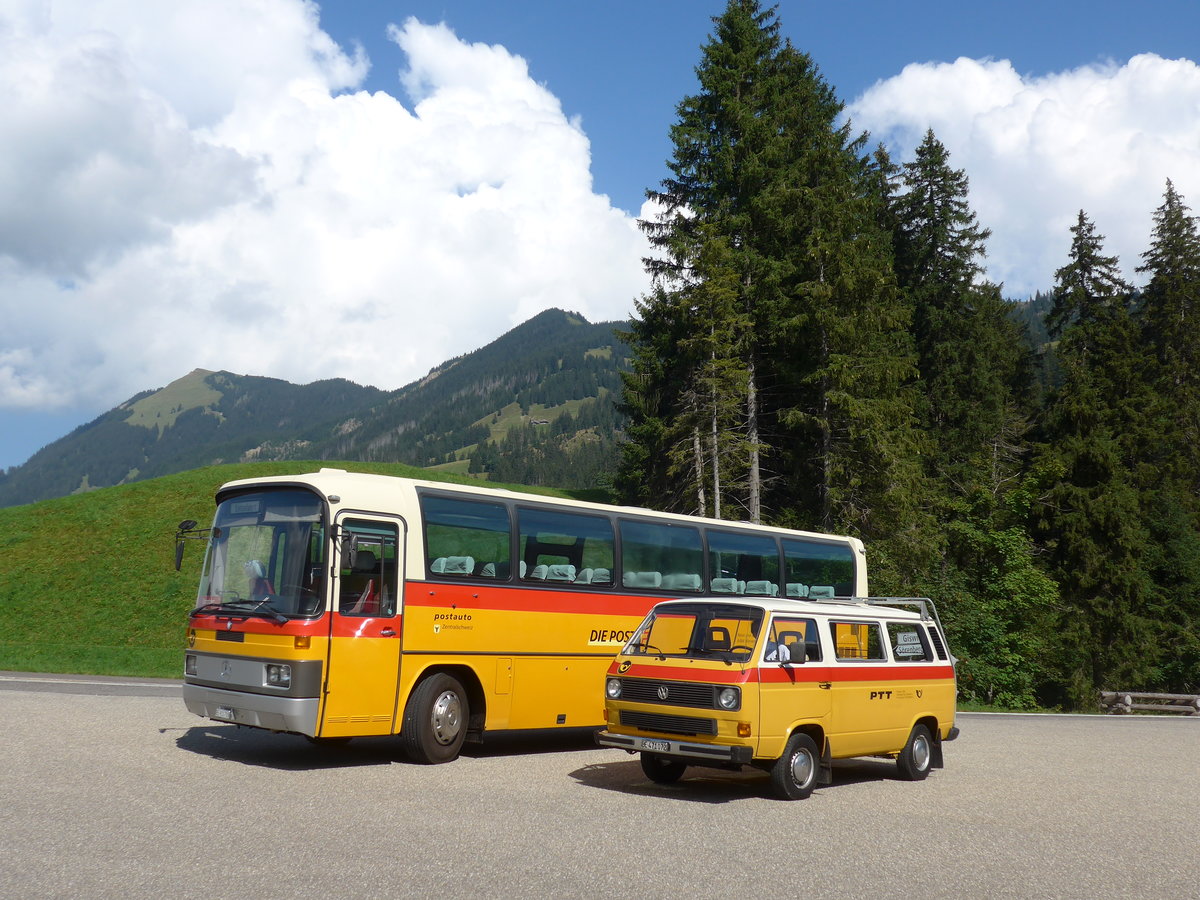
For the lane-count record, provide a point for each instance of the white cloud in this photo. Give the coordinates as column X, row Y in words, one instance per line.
column 198, row 184
column 1102, row 138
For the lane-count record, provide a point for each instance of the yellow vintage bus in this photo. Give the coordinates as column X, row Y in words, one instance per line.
column 338, row 604
column 784, row 687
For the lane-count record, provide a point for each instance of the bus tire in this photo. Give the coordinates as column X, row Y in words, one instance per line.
column 435, row 720
column 794, row 774
column 916, row 758
column 662, row 770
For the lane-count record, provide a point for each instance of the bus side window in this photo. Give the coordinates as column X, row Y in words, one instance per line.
column 466, row 538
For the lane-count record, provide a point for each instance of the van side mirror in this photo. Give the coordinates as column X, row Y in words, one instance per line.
column 795, row 655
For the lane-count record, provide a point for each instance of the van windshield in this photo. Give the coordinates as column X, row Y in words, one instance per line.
column 266, row 556
column 699, row 631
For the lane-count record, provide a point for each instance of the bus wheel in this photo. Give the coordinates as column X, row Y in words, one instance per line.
column 435, row 720
column 915, row 759
column 794, row 774
column 661, row 770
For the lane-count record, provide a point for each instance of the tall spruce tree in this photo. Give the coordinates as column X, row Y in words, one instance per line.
column 1168, row 471
column 712, row 272
column 769, row 204
column 973, row 394
column 1091, row 522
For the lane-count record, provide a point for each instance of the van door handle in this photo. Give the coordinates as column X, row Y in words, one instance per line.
column 824, row 685
column 388, row 632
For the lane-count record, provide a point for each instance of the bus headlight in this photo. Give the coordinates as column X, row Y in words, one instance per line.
column 279, row 675
column 729, row 698
column 189, row 664
column 613, row 688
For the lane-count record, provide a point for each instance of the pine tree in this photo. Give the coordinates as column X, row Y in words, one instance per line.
column 775, row 280
column 1091, row 522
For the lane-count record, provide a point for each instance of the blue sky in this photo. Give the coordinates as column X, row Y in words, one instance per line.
column 202, row 184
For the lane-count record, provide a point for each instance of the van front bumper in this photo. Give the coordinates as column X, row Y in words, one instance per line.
column 718, row 753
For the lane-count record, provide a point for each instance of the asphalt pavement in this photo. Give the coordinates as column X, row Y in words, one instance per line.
column 110, row 788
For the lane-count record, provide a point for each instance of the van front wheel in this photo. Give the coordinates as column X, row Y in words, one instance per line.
column 794, row 774
column 661, row 770
column 916, row 758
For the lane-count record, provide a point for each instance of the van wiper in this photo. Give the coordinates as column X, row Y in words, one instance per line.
column 242, row 609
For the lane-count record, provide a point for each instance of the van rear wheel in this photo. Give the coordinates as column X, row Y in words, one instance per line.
column 661, row 770
column 794, row 774
column 916, row 758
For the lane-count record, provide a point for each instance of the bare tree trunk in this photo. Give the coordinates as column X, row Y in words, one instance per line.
column 698, row 457
column 716, row 460
column 754, row 500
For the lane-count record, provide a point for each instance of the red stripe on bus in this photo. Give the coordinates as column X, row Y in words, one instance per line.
column 518, row 599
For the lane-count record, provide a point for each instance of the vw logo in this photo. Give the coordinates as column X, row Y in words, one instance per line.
column 225, row 669
column 663, row 692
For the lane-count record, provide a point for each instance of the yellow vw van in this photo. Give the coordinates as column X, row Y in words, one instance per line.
column 783, row 685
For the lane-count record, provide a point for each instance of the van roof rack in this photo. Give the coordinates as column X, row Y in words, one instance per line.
column 924, row 605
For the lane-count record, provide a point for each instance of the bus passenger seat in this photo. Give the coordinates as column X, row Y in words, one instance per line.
column 762, row 588
column 539, row 572
column 820, row 592
column 602, row 576
column 796, row 589
column 681, row 581
column 725, row 586
column 642, row 579
column 584, row 576
column 560, row 572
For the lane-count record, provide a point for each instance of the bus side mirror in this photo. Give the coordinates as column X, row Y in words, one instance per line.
column 349, row 551
column 184, row 527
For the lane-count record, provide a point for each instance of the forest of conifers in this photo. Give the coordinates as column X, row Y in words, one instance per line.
column 821, row 350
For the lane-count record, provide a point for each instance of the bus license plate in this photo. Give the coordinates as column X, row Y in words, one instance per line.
column 224, row 712
column 656, row 745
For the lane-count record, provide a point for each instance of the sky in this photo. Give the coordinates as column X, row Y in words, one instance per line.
column 366, row 189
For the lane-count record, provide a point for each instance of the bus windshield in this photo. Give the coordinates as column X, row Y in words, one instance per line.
column 266, row 557
column 699, row 631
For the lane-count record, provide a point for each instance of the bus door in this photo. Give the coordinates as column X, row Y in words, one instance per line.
column 363, row 668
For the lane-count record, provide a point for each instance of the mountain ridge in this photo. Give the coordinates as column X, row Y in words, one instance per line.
column 557, row 363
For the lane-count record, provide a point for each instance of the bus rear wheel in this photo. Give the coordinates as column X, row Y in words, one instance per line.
column 435, row 720
column 661, row 770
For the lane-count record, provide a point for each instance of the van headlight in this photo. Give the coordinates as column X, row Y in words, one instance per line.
column 729, row 698
column 613, row 688
column 279, row 675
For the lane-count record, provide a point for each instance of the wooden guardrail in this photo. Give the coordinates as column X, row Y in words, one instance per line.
column 1125, row 702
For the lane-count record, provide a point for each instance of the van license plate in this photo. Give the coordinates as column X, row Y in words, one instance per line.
column 656, row 745
column 225, row 712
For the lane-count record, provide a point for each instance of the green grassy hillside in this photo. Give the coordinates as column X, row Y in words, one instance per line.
column 88, row 582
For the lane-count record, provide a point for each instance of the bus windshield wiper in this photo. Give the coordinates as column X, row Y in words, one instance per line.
column 243, row 609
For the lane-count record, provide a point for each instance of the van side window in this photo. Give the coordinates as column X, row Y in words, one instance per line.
column 857, row 641
column 908, row 642
column 796, row 635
